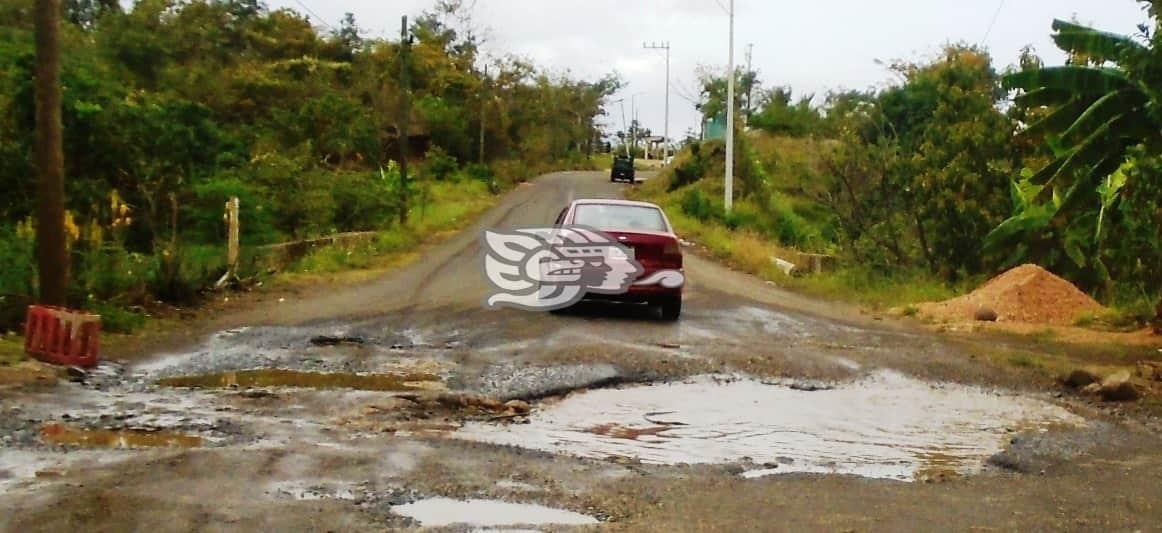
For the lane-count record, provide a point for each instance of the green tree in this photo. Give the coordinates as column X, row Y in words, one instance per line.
column 1099, row 117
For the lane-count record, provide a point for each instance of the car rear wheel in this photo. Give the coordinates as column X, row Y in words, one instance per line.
column 671, row 308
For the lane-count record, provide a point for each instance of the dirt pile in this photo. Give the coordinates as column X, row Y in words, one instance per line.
column 1028, row 294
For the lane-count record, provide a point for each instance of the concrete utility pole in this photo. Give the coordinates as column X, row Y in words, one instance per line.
column 749, row 87
column 51, row 248
column 633, row 117
column 729, row 196
column 624, row 126
column 405, row 116
column 633, row 120
column 666, row 130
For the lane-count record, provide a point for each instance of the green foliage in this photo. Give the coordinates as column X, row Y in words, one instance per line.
column 1091, row 211
column 116, row 319
column 692, row 164
column 202, row 218
column 923, row 171
column 364, row 200
column 17, row 270
column 106, row 271
column 179, row 274
column 778, row 115
column 695, row 204
column 438, row 165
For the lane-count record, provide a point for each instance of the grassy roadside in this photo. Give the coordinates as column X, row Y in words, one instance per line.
column 450, row 207
column 11, row 349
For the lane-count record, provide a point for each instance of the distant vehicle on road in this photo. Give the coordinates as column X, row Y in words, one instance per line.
column 644, row 228
column 622, row 169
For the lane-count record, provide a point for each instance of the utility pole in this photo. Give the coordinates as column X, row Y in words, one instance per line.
column 51, row 248
column 729, row 196
column 633, row 120
column 633, row 116
column 624, row 127
column 749, row 87
column 405, row 116
column 666, row 131
column 483, row 101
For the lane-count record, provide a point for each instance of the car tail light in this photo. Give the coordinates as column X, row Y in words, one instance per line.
column 672, row 248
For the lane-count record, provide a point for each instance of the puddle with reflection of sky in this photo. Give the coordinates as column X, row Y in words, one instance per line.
column 886, row 425
column 437, row 512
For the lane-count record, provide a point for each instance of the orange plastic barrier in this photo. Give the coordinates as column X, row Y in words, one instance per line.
column 62, row 336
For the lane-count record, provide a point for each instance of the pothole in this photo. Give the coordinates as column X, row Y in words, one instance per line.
column 884, row 426
column 112, row 438
column 273, row 377
column 440, row 512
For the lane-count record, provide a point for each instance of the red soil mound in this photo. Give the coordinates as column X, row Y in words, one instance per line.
column 1028, row 294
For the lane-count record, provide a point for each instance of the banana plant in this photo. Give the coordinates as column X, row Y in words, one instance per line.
column 1101, row 106
column 1099, row 109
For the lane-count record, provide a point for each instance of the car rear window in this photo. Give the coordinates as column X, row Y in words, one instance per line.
column 620, row 217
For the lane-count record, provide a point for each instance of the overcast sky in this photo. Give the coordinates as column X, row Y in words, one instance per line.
column 811, row 45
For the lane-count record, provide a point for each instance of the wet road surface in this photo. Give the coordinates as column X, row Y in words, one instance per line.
column 399, row 402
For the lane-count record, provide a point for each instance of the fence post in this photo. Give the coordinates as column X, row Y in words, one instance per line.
column 232, row 239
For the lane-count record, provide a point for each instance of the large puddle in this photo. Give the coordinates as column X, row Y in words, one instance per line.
column 273, row 377
column 439, row 512
column 884, row 426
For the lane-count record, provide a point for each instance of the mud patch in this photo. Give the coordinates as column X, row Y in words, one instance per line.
column 64, row 435
column 311, row 380
column 884, row 426
column 440, row 512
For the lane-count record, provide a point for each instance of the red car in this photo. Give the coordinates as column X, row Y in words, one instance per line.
column 644, row 228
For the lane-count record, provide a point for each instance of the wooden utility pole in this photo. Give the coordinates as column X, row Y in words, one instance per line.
column 483, row 102
column 405, row 116
column 51, row 248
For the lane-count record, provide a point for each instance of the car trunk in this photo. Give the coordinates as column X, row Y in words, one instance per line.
column 650, row 249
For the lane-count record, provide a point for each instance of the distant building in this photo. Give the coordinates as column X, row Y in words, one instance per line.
column 714, row 128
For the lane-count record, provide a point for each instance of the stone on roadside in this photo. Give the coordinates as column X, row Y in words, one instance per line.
column 1118, row 388
column 985, row 314
column 1080, row 378
column 518, row 406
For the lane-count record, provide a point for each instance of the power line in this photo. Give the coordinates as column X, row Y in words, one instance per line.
column 316, row 15
column 996, row 15
column 724, row 9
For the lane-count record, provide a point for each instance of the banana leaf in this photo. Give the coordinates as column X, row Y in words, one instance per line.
column 1118, row 103
column 1076, row 79
column 1097, row 44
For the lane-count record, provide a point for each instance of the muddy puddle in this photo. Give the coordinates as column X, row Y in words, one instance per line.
column 440, row 512
column 883, row 426
column 117, row 439
column 311, row 380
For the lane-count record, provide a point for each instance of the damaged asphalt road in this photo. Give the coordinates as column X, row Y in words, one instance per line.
column 402, row 403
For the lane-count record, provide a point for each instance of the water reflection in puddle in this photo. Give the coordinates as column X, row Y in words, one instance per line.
column 110, row 438
column 438, row 512
column 316, row 380
column 884, row 426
